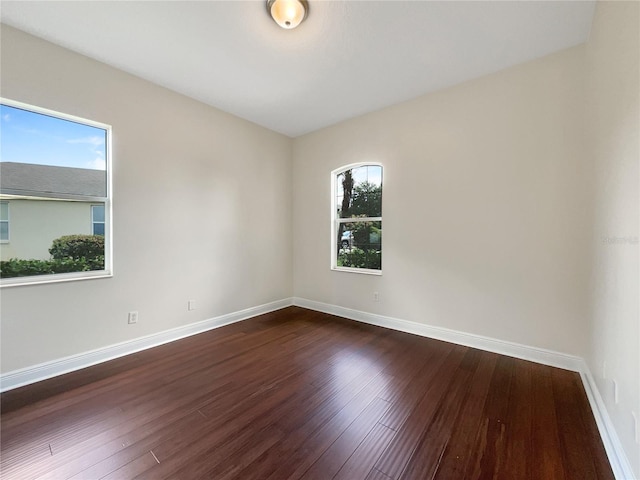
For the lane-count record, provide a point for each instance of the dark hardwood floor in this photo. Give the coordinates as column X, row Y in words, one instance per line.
column 300, row 394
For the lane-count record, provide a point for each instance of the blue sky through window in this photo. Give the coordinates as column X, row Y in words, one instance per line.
column 29, row 137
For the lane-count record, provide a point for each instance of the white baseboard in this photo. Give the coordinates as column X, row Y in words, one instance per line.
column 534, row 354
column 43, row 371
column 617, row 457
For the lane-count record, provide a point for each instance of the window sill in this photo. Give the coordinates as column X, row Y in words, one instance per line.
column 56, row 278
column 364, row 271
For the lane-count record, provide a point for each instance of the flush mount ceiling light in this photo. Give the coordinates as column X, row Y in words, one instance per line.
column 288, row 13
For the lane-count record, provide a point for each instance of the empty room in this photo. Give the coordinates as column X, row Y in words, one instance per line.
column 313, row 239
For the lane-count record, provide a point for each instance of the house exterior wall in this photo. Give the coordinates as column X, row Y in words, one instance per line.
column 34, row 224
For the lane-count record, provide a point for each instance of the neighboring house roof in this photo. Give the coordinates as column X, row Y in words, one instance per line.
column 49, row 181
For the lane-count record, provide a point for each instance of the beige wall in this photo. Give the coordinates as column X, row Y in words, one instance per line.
column 484, row 213
column 613, row 67
column 34, row 224
column 201, row 202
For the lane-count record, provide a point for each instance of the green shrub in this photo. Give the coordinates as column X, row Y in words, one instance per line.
column 70, row 253
column 359, row 258
column 77, row 247
column 16, row 267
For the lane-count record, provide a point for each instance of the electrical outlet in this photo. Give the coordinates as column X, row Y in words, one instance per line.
column 191, row 305
column 615, row 391
column 133, row 317
column 376, row 297
column 635, row 426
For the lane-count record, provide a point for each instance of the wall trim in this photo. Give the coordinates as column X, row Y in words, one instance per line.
column 617, row 457
column 615, row 452
column 525, row 352
column 43, row 371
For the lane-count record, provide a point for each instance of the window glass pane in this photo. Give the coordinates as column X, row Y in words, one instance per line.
column 4, row 211
column 359, row 245
column 371, row 174
column 52, row 170
column 344, row 193
column 4, row 231
column 98, row 229
column 359, row 192
column 47, row 156
column 98, row 213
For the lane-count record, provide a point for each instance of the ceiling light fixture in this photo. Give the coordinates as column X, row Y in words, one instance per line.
column 288, row 13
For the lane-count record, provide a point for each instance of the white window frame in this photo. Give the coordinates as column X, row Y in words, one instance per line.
column 8, row 222
column 107, row 201
column 335, row 220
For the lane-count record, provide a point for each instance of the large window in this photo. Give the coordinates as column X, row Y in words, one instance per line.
column 356, row 233
column 55, row 179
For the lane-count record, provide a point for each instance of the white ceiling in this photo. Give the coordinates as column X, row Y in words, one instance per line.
column 346, row 59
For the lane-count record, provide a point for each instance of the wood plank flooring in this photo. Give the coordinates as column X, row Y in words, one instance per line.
column 297, row 394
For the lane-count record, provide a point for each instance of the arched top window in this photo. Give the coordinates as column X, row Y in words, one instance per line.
column 356, row 234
